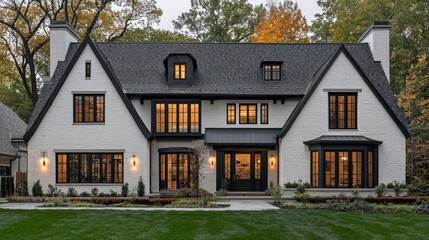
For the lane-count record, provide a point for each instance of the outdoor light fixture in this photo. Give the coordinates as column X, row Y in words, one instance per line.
column 44, row 158
column 272, row 160
column 134, row 160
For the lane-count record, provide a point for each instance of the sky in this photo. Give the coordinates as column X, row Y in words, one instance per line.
column 173, row 8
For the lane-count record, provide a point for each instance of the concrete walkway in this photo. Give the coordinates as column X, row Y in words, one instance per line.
column 234, row 205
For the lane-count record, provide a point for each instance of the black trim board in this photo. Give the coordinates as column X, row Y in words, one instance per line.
column 112, row 77
column 318, row 78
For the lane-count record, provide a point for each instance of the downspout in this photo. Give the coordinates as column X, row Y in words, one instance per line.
column 10, row 163
column 278, row 161
column 150, row 165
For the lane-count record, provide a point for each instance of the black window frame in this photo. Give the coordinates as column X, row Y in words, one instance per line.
column 180, row 71
column 166, row 120
column 256, row 112
column 264, row 116
column 88, row 69
column 346, row 110
column 227, row 113
column 5, row 171
column 163, row 185
column 94, row 118
column 90, row 170
column 271, row 71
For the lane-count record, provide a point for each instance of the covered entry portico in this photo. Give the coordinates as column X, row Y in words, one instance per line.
column 244, row 158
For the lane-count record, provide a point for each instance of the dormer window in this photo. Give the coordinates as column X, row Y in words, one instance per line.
column 88, row 70
column 180, row 71
column 272, row 71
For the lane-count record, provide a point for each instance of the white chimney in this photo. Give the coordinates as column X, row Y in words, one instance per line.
column 377, row 36
column 62, row 34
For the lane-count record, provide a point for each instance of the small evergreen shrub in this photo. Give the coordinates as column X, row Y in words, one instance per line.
column 113, row 194
column 301, row 188
column 380, row 190
column 397, row 187
column 416, row 189
column 140, row 187
column 346, row 205
column 277, row 193
column 355, row 193
column 84, row 194
column 164, row 193
column 124, row 191
column 94, row 192
column 22, row 190
column 53, row 191
column 71, row 192
column 291, row 184
column 183, row 193
column 37, row 189
column 222, row 193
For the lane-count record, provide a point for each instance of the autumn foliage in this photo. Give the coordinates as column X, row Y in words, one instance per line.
column 281, row 23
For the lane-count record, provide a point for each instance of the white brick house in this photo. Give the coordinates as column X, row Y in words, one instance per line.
column 113, row 112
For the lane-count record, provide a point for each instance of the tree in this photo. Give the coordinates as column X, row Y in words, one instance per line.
column 414, row 100
column 345, row 21
column 149, row 34
column 281, row 23
column 197, row 158
column 24, row 24
column 219, row 20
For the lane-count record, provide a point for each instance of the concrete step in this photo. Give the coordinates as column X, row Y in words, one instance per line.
column 246, row 193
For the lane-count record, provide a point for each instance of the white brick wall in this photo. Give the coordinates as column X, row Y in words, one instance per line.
column 57, row 131
column 373, row 122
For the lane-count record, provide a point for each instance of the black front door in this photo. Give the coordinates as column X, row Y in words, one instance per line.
column 244, row 171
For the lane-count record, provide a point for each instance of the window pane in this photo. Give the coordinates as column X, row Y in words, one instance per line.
column 227, row 167
column 73, row 166
column 357, row 169
column 329, row 169
column 100, row 108
column 85, row 166
column 160, row 117
column 195, row 118
column 182, row 71
column 163, row 182
column 264, row 113
column 106, row 168
column 315, row 169
column 243, row 114
column 61, row 168
column 176, row 71
column 343, row 169
column 257, row 166
column 332, row 112
column 88, row 69
column 172, row 117
column 78, row 109
column 183, row 170
column 276, row 72
column 351, row 114
column 370, row 169
column 118, row 168
column 172, row 171
column 95, row 168
column 183, row 118
column 252, row 113
column 231, row 113
column 341, row 112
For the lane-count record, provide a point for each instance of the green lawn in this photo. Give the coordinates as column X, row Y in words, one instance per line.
column 281, row 224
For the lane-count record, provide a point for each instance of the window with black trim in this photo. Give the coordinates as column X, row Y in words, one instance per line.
column 4, row 171
column 248, row 113
column 315, row 169
column 264, row 113
column 177, row 117
column 272, row 72
column 90, row 167
column 342, row 110
column 230, row 111
column 180, row 71
column 87, row 69
column 88, row 108
column 174, row 170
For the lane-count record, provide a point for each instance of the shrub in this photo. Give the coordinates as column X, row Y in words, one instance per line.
column 53, row 191
column 302, row 197
column 277, row 193
column 94, row 192
column 355, row 193
column 380, row 190
column 202, row 193
column 113, row 193
column 422, row 207
column 71, row 192
column 22, row 190
column 124, row 191
column 416, row 189
column 37, row 189
column 268, row 192
column 84, row 194
column 183, row 193
column 346, row 205
column 7, row 187
column 291, row 185
column 222, row 193
column 140, row 187
column 59, row 202
column 102, row 194
column 271, row 185
column 397, row 187
column 301, row 188
column 164, row 193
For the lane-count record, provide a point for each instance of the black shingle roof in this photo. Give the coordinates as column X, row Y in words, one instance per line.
column 226, row 69
column 339, row 139
column 11, row 126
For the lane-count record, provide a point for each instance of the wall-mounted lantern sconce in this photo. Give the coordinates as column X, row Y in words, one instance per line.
column 134, row 160
column 44, row 158
column 211, row 158
column 272, row 160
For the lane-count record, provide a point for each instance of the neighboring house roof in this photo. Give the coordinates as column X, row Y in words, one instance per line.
column 224, row 70
column 11, row 126
column 343, row 140
column 371, row 72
